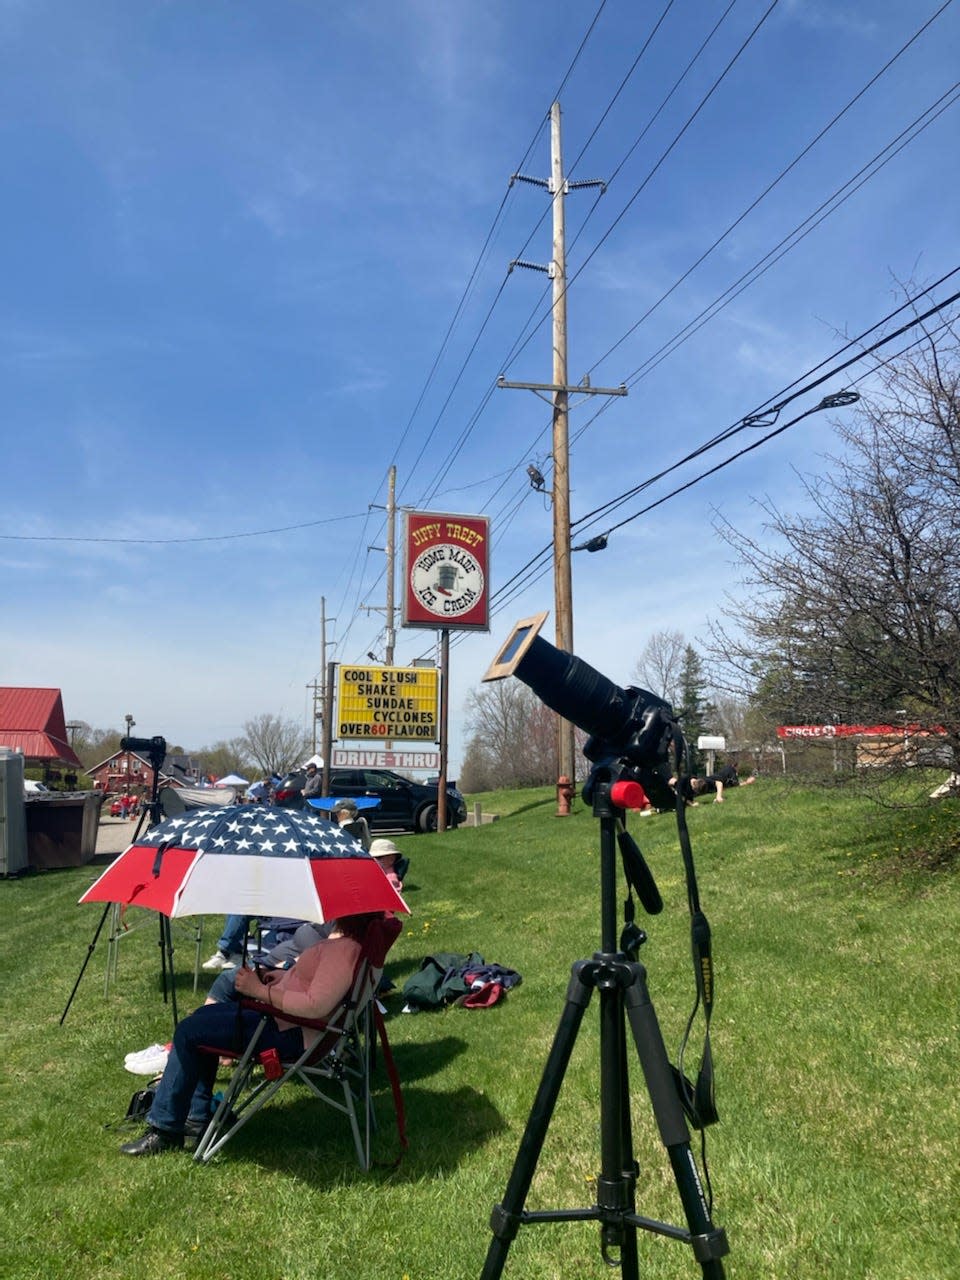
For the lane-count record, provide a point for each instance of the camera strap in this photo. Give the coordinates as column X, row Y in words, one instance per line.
column 698, row 1099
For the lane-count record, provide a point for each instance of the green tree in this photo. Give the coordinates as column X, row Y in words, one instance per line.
column 692, row 706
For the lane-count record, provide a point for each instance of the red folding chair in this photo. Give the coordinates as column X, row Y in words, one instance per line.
column 336, row 1068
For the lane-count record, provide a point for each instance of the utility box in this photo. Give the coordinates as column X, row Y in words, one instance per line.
column 13, row 823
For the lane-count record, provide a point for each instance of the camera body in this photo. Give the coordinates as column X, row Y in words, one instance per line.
column 642, row 752
column 155, row 748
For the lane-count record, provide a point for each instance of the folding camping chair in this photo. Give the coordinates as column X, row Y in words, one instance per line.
column 336, row 1068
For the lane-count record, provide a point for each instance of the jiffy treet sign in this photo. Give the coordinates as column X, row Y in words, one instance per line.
column 446, row 571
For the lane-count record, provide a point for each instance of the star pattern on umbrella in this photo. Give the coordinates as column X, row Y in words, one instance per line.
column 253, row 829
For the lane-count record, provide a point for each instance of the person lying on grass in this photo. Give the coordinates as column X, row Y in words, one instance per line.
column 312, row 988
column 726, row 776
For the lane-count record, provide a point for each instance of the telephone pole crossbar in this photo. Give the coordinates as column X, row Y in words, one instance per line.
column 571, row 388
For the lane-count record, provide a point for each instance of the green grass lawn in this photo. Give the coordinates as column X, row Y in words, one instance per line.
column 835, row 1041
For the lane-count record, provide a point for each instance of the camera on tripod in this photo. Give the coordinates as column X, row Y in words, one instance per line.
column 632, row 735
column 630, row 725
column 155, row 748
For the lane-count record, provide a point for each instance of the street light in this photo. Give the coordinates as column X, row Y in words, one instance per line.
column 130, row 723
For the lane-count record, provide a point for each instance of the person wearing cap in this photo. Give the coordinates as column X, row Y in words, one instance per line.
column 313, row 786
column 347, row 817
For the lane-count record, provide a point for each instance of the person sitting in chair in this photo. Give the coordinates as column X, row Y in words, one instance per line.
column 312, row 988
column 347, row 817
column 388, row 857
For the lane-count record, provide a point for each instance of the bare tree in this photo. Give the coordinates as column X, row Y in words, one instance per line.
column 855, row 609
column 513, row 738
column 224, row 758
column 660, row 663
column 273, row 744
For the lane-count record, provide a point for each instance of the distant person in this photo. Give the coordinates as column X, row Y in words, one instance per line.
column 313, row 787
column 388, row 856
column 711, row 784
column 259, row 792
column 230, row 945
column 347, row 817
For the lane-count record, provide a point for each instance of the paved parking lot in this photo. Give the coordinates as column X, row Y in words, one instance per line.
column 114, row 834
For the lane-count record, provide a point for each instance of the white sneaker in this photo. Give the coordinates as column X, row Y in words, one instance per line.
column 220, row 961
column 147, row 1062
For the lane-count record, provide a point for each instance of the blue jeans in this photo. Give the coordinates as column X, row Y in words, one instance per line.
column 234, row 932
column 185, row 1091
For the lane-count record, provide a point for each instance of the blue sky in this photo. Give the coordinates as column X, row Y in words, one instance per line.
column 235, row 238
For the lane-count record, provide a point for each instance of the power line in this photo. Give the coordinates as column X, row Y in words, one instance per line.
column 804, row 228
column 770, row 415
column 159, row 542
column 776, row 181
column 538, row 564
column 669, row 149
column 520, row 342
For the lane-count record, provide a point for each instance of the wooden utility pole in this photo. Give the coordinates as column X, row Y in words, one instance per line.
column 391, row 557
column 329, row 682
column 325, row 717
column 319, row 686
column 562, row 575
column 390, row 551
column 558, row 187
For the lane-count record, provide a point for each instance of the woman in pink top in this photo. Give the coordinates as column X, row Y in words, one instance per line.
column 313, row 988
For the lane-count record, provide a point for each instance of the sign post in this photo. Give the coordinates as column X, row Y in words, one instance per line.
column 446, row 588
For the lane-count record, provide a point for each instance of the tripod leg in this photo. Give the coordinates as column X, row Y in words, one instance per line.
column 506, row 1216
column 86, row 961
column 166, row 964
column 616, row 1186
column 709, row 1242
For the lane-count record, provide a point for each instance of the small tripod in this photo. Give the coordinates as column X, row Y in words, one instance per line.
column 622, row 984
column 151, row 811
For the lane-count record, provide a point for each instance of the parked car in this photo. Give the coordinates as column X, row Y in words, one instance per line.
column 31, row 788
column 404, row 805
column 288, row 793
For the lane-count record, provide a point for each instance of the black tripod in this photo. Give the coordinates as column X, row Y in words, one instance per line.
column 151, row 811
column 622, row 984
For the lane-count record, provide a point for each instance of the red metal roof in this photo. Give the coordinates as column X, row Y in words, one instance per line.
column 32, row 721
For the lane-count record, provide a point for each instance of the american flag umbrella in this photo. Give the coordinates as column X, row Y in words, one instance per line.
column 247, row 860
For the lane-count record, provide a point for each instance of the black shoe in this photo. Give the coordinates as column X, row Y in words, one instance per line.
column 193, row 1131
column 153, row 1143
